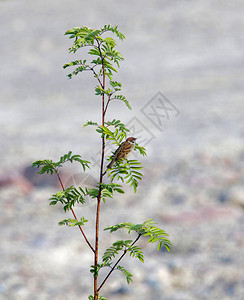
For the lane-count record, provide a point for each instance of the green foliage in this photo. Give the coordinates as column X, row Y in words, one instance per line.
column 88, row 123
column 103, row 50
column 156, row 234
column 91, row 297
column 116, row 85
column 100, row 91
column 103, row 64
column 107, row 190
column 111, row 252
column 95, row 269
column 48, row 166
column 123, row 246
column 127, row 274
column 117, row 135
column 73, row 222
column 141, row 150
column 118, row 125
column 123, row 98
column 82, row 66
column 127, row 172
column 78, row 62
column 147, row 228
column 113, row 29
column 105, row 58
column 68, row 197
column 92, row 192
column 136, row 252
column 126, row 246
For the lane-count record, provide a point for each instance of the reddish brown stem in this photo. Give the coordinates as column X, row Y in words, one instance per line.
column 100, row 186
column 82, row 232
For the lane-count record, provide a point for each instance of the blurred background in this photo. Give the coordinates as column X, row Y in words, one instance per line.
column 183, row 75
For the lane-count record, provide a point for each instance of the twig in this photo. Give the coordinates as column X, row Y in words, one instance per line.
column 61, row 183
column 109, row 98
column 110, row 272
column 96, row 75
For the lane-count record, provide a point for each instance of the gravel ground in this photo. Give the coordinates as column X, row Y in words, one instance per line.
column 183, row 54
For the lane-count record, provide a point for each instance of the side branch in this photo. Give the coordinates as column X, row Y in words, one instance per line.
column 115, row 265
column 96, row 75
column 109, row 99
column 82, row 232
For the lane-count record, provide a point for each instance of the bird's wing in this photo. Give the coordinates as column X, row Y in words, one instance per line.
column 116, row 156
column 118, row 151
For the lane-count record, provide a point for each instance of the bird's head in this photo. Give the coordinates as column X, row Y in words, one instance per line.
column 131, row 140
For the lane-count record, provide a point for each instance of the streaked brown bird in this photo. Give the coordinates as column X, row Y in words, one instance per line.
column 123, row 151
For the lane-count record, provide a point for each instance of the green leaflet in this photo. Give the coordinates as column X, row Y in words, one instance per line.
column 48, row 166
column 147, row 229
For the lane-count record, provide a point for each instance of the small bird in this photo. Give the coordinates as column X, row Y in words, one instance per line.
column 123, row 151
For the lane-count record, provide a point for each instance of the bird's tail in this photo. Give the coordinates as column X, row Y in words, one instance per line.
column 110, row 165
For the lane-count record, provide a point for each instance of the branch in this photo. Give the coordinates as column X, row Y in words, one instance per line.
column 82, row 46
column 109, row 99
column 61, row 183
column 113, row 268
column 96, row 75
